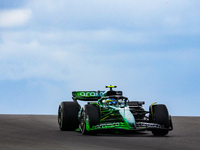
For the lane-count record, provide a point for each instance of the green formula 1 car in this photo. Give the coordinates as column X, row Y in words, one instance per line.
column 111, row 111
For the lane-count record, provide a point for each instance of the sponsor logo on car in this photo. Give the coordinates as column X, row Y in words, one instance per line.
column 108, row 125
column 90, row 94
column 148, row 125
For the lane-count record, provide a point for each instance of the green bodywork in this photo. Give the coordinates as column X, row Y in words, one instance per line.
column 87, row 124
column 113, row 119
column 111, row 116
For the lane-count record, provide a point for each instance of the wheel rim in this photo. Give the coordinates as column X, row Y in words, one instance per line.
column 60, row 118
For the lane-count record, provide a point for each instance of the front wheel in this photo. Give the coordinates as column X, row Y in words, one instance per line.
column 92, row 113
column 161, row 116
column 160, row 132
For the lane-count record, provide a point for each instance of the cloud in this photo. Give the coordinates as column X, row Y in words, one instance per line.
column 63, row 56
column 147, row 16
column 14, row 17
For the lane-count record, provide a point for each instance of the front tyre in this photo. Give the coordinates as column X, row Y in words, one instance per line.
column 68, row 116
column 160, row 132
column 91, row 112
column 161, row 116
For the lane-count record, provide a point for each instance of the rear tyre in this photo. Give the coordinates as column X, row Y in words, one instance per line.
column 160, row 116
column 93, row 114
column 68, row 116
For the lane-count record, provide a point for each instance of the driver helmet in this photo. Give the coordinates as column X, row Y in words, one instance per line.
column 111, row 101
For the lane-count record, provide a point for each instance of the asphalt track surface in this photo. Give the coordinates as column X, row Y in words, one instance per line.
column 40, row 132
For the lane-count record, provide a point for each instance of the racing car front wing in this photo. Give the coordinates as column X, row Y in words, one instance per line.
column 139, row 126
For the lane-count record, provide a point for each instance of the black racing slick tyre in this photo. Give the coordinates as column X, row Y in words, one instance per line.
column 93, row 114
column 68, row 116
column 160, row 116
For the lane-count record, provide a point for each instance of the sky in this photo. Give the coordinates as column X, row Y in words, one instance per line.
column 149, row 49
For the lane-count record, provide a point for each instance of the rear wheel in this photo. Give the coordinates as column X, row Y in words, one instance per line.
column 68, row 116
column 161, row 116
column 93, row 114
